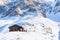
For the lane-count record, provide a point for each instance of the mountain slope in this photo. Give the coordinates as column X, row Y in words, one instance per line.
column 47, row 28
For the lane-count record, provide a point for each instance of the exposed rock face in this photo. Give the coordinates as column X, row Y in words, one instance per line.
column 3, row 2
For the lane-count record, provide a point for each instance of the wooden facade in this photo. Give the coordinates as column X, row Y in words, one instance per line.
column 16, row 28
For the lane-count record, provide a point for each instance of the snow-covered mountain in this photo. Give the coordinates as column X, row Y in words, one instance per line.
column 20, row 13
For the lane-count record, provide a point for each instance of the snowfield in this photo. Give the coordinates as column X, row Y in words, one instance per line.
column 38, row 28
column 27, row 36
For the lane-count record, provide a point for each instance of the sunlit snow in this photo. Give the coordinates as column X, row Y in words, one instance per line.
column 38, row 27
column 48, row 0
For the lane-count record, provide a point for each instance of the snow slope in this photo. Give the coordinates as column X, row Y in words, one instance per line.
column 26, row 36
column 37, row 28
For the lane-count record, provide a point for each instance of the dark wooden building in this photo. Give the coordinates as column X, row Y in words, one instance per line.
column 16, row 28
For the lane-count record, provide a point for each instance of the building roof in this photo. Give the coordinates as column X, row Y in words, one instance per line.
column 15, row 26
